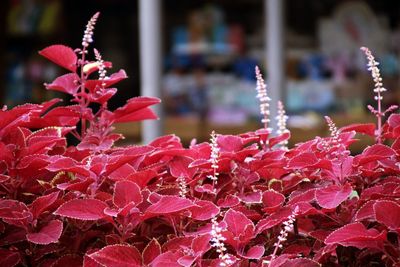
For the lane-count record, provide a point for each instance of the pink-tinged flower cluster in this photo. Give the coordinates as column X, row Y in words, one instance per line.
column 214, row 156
column 217, row 241
column 88, row 34
column 283, row 234
column 281, row 120
column 101, row 67
column 375, row 72
column 263, row 97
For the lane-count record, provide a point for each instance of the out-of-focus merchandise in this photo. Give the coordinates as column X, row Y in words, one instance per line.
column 28, row 21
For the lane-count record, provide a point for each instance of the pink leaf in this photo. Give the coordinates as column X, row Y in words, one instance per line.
column 366, row 211
column 92, row 85
column 388, row 213
column 126, row 192
column 272, row 200
column 118, row 256
column 67, row 83
column 229, row 143
column 356, row 235
column 332, row 196
column 48, row 234
column 302, row 160
column 82, row 209
column 278, row 139
column 376, row 152
column 42, row 203
column 179, row 167
column 168, row 258
column 255, row 252
column 170, row 204
column 67, row 164
column 274, row 219
column 13, row 210
column 136, row 109
column 204, row 210
column 61, row 55
column 364, row 128
column 236, row 222
column 151, row 251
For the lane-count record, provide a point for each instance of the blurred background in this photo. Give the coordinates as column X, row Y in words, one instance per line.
column 199, row 57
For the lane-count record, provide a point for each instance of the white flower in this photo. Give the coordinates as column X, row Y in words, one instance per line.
column 88, row 34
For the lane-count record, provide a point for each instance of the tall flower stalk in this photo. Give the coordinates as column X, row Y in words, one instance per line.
column 288, row 226
column 217, row 241
column 86, row 40
column 281, row 120
column 214, row 158
column 263, row 97
column 378, row 90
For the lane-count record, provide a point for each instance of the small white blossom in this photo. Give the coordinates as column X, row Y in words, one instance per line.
column 182, row 186
column 214, row 157
column 263, row 98
column 88, row 34
column 217, row 241
column 102, row 68
column 288, row 227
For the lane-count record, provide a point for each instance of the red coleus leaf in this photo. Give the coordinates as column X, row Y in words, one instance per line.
column 89, row 262
column 285, row 261
column 364, row 128
column 66, row 164
column 168, row 258
column 13, row 210
column 93, row 85
column 179, row 167
column 151, row 251
column 388, row 213
column 356, row 235
column 272, row 200
column 229, row 143
column 141, row 178
column 375, row 152
column 82, row 209
column 59, row 116
column 204, row 210
column 62, row 55
column 332, row 196
column 118, row 256
column 41, row 204
column 365, row 212
column 237, row 222
column 47, row 234
column 303, row 160
column 170, row 204
column 9, row 258
column 136, row 109
column 278, row 139
column 255, row 252
column 67, row 83
column 126, row 192
column 274, row 219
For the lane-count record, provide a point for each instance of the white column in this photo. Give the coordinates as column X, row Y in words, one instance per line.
column 150, row 62
column 275, row 53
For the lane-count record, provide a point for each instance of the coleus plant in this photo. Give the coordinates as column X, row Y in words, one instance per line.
column 238, row 200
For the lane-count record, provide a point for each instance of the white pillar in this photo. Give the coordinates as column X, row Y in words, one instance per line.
column 150, row 62
column 275, row 53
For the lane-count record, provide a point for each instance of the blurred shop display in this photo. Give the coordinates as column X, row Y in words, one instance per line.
column 325, row 70
column 30, row 25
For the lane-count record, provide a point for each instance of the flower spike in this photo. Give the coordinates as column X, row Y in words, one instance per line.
column 263, row 97
column 88, row 34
